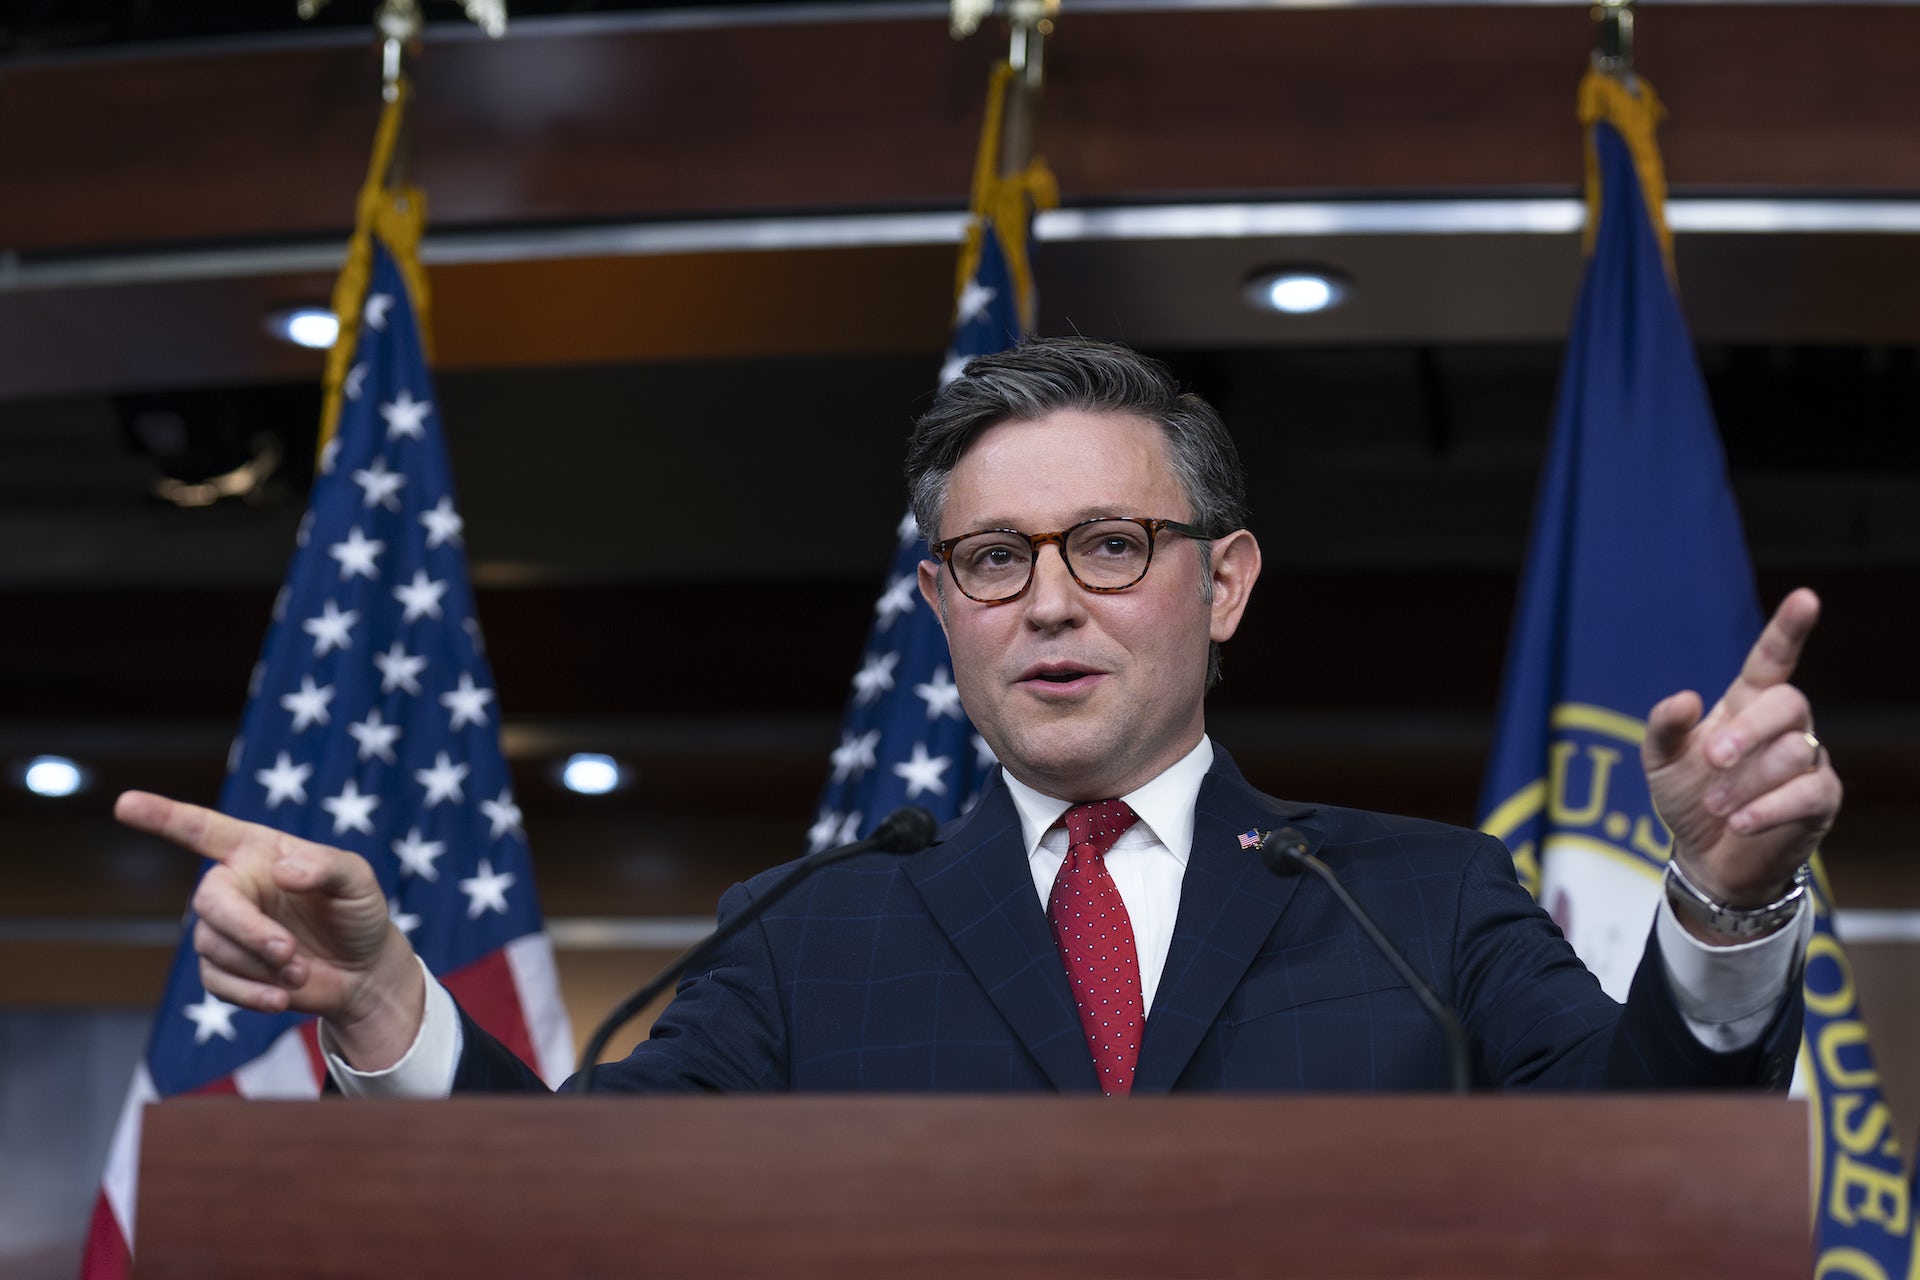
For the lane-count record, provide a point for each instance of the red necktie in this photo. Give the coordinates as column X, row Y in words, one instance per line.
column 1095, row 938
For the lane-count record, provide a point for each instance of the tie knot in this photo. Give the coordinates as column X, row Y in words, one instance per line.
column 1098, row 823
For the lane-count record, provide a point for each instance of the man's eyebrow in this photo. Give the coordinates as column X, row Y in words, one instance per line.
column 1095, row 511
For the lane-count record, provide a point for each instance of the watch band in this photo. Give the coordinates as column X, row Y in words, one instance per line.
column 1692, row 903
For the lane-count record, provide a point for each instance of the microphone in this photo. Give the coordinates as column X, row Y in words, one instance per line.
column 907, row 829
column 1288, row 852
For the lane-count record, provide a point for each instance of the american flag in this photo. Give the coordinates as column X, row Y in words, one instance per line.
column 904, row 738
column 371, row 725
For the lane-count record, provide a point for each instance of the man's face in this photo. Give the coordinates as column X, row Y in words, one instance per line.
column 1084, row 695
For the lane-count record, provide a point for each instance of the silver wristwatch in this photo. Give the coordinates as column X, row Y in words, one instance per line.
column 1690, row 902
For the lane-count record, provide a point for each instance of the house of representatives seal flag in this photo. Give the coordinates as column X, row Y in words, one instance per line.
column 904, row 738
column 1637, row 583
column 372, row 725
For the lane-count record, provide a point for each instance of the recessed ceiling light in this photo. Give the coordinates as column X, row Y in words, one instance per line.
column 590, row 774
column 313, row 327
column 1297, row 291
column 52, row 776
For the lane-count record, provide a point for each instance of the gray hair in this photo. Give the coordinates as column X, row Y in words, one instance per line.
column 1042, row 376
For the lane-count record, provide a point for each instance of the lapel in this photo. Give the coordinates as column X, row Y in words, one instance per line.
column 1229, row 905
column 978, row 888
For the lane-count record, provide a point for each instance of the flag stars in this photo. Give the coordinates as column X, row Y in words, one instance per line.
column 983, row 757
column 417, row 855
column 487, row 890
column 356, row 383
column 376, row 738
column 308, row 704
column 504, row 814
column 898, row 600
column 374, row 314
column 855, row 754
column 331, row 630
column 380, row 486
column 922, row 772
column 406, row 417
column 443, row 780
column 908, row 530
column 285, row 781
column 820, row 834
column 329, row 457
column 211, row 1017
column 956, row 364
column 421, row 597
column 357, row 555
column 443, row 524
column 874, row 677
column 406, row 920
column 973, row 302
column 351, row 811
column 940, row 694
column 467, row 704
column 399, row 669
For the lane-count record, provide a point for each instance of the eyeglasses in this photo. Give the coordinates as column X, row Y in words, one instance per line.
column 1112, row 553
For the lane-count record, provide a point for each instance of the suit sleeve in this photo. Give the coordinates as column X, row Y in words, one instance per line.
column 1539, row 1018
column 724, row 1031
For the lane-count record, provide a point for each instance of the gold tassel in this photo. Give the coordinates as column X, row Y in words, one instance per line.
column 397, row 215
column 1635, row 112
column 1006, row 203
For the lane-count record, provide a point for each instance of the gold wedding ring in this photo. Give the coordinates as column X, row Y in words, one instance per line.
column 1814, row 746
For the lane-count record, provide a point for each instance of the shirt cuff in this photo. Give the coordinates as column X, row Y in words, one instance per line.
column 425, row 1070
column 1729, row 995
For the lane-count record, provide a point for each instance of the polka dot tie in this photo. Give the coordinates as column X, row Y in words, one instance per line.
column 1095, row 938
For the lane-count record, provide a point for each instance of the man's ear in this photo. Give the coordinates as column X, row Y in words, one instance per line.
column 932, row 591
column 1236, row 567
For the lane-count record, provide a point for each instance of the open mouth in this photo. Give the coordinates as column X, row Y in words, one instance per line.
column 1057, row 676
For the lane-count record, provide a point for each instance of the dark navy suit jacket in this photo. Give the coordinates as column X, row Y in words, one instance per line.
column 937, row 971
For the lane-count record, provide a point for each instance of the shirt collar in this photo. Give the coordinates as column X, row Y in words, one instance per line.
column 1165, row 804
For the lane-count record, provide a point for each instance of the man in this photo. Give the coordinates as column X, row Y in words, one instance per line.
column 1085, row 521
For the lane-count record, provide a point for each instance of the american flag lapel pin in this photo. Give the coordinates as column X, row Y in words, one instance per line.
column 1253, row 838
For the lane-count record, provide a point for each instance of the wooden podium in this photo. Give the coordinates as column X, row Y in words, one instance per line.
column 1377, row 1186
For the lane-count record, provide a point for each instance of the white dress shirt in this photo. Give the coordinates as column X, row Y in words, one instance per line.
column 1727, row 995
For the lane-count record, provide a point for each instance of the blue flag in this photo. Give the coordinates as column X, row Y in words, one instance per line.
column 372, row 725
column 1637, row 584
column 904, row 738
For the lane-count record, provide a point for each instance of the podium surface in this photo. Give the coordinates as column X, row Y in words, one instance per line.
column 1602, row 1185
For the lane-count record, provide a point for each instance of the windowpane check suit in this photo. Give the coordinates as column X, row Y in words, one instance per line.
column 937, row 971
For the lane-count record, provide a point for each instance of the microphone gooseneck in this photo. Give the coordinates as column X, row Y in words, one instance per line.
column 907, row 829
column 1287, row 852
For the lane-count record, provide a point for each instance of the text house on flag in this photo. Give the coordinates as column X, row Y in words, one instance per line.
column 1637, row 584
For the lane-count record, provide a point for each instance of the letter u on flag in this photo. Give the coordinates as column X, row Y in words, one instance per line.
column 1637, row 584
